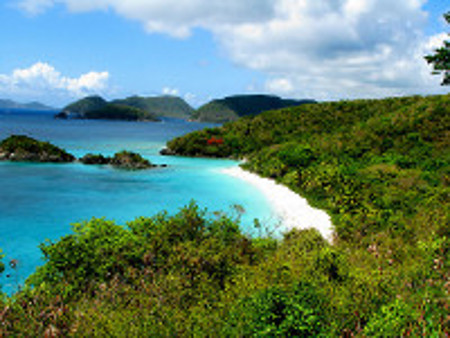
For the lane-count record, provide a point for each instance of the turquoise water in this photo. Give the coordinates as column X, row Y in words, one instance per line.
column 41, row 201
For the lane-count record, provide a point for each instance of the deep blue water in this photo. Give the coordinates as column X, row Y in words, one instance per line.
column 41, row 201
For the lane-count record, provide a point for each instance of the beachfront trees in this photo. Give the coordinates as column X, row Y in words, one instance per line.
column 441, row 58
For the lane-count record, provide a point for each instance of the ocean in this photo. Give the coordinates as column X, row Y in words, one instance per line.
column 39, row 202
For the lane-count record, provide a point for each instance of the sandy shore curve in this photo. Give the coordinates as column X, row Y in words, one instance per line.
column 292, row 209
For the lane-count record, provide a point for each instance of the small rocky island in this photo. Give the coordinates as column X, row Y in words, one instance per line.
column 122, row 160
column 21, row 148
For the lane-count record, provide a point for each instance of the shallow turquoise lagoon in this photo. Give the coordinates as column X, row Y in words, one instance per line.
column 41, row 201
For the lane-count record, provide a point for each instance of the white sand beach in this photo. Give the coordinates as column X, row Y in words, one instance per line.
column 293, row 210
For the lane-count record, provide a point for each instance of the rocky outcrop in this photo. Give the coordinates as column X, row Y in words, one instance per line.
column 122, row 160
column 20, row 148
column 167, row 152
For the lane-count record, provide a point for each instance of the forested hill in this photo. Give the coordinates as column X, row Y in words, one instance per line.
column 161, row 106
column 380, row 168
column 158, row 106
column 233, row 107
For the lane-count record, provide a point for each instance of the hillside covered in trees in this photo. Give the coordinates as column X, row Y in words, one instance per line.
column 161, row 106
column 233, row 107
column 140, row 108
column 380, row 168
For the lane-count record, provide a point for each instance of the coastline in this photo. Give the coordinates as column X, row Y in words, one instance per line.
column 292, row 209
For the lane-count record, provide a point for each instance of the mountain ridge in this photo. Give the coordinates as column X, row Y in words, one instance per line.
column 157, row 106
column 34, row 105
column 233, row 107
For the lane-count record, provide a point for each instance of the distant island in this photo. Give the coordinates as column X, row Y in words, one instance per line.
column 10, row 104
column 137, row 108
column 232, row 108
column 161, row 106
column 133, row 108
column 21, row 148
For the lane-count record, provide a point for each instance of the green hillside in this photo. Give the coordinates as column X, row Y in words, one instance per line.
column 119, row 112
column 162, row 106
column 233, row 107
column 380, row 168
column 85, row 105
column 21, row 148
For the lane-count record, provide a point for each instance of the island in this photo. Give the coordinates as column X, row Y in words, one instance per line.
column 232, row 108
column 21, row 148
column 134, row 108
column 96, row 108
column 10, row 104
column 121, row 160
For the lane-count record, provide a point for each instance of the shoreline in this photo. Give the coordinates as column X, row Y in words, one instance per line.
column 292, row 209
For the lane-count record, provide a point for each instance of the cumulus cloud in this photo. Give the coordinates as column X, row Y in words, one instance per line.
column 170, row 91
column 321, row 48
column 173, row 17
column 36, row 6
column 43, row 80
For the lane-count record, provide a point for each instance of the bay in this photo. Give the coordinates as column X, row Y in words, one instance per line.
column 41, row 201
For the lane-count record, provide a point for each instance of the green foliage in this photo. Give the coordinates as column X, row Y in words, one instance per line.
column 441, row 59
column 296, row 156
column 276, row 312
column 132, row 108
column 380, row 168
column 129, row 160
column 95, row 159
column 85, row 105
column 24, row 148
column 392, row 320
column 233, row 107
column 120, row 112
column 97, row 251
column 168, row 106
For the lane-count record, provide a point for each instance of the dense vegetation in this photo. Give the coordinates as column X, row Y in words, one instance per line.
column 233, row 107
column 440, row 59
column 86, row 104
column 122, row 160
column 132, row 108
column 380, row 168
column 26, row 149
column 120, row 112
column 162, row 106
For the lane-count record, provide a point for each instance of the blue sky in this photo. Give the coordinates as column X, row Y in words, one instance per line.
column 56, row 51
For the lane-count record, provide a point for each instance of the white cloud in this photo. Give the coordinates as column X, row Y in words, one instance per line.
column 174, row 17
column 36, row 6
column 43, row 80
column 170, row 91
column 321, row 48
column 279, row 86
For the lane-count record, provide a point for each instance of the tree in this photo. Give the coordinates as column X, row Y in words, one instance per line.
column 441, row 59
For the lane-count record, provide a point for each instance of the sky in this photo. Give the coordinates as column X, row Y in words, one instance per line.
column 57, row 51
